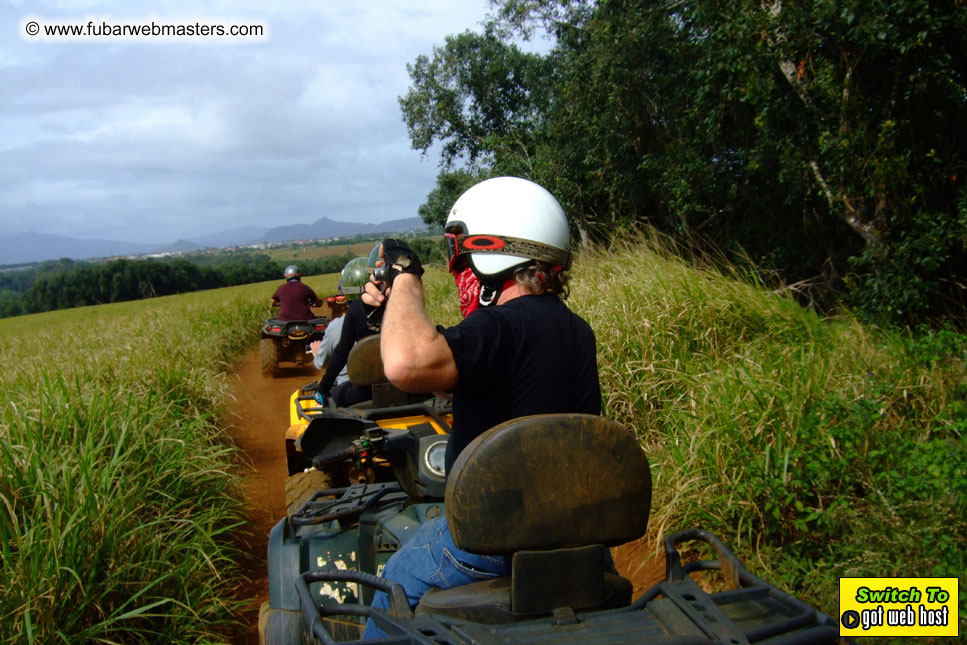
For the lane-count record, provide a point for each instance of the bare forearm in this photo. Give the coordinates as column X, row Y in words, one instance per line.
column 416, row 357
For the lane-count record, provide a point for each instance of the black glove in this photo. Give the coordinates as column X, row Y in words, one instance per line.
column 400, row 258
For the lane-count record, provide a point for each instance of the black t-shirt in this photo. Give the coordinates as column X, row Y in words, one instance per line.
column 294, row 300
column 531, row 355
column 361, row 321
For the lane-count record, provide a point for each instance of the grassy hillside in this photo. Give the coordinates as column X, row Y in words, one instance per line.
column 817, row 449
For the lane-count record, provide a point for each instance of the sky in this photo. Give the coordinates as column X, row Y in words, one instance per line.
column 154, row 140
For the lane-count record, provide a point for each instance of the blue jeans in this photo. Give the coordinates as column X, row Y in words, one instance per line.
column 430, row 559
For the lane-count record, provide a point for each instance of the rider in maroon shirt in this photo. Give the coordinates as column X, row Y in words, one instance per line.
column 293, row 298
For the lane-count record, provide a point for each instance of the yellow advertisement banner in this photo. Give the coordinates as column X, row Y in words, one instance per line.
column 898, row 607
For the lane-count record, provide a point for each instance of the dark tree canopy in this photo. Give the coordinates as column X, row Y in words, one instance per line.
column 67, row 284
column 821, row 140
column 478, row 96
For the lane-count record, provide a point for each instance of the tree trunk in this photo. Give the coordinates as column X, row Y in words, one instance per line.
column 791, row 73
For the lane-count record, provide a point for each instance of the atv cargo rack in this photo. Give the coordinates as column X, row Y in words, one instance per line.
column 674, row 612
column 344, row 503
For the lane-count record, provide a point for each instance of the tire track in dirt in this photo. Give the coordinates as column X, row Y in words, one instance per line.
column 258, row 419
column 638, row 562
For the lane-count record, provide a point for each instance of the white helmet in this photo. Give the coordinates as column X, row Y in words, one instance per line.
column 504, row 222
column 292, row 272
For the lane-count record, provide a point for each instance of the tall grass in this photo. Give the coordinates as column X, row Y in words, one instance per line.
column 118, row 500
column 818, row 448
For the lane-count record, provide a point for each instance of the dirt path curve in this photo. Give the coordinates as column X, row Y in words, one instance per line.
column 262, row 415
column 261, row 407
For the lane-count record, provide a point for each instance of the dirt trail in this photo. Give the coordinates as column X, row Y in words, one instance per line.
column 637, row 562
column 262, row 416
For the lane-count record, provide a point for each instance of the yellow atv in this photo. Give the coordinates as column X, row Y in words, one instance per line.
column 316, row 430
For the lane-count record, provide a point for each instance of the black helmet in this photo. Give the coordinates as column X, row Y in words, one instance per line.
column 292, row 272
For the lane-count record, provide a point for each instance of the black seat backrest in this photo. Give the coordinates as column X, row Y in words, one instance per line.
column 548, row 482
column 365, row 365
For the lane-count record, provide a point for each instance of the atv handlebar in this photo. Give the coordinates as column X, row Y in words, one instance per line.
column 333, row 457
column 360, row 450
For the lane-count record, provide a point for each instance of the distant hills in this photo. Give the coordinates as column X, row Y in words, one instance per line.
column 20, row 248
column 325, row 228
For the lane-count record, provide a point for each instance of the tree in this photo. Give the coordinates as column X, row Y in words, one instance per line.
column 884, row 88
column 449, row 186
column 478, row 96
column 821, row 140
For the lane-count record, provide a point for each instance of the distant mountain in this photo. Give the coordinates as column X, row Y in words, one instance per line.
column 236, row 237
column 181, row 246
column 21, row 248
column 324, row 228
column 36, row 247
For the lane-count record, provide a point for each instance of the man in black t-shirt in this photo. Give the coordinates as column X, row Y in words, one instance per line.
column 518, row 351
column 528, row 355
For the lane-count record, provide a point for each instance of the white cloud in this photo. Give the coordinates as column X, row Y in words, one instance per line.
column 149, row 124
column 156, row 141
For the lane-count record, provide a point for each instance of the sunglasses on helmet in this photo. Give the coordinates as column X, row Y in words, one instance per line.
column 459, row 244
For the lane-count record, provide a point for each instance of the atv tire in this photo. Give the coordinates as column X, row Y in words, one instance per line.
column 269, row 357
column 279, row 626
column 301, row 486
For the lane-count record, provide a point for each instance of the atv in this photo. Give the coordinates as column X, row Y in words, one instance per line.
column 551, row 492
column 288, row 341
column 315, row 430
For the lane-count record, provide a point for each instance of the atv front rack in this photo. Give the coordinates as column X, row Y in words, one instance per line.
column 674, row 612
column 342, row 503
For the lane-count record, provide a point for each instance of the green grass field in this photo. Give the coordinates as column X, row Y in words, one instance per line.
column 119, row 490
column 817, row 449
column 295, row 254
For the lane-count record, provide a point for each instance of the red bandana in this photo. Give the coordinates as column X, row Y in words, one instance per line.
column 468, row 286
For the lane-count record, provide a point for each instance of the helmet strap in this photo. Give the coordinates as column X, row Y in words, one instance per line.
column 488, row 295
column 490, row 291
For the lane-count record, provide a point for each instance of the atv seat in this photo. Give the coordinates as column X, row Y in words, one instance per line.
column 365, row 368
column 554, row 491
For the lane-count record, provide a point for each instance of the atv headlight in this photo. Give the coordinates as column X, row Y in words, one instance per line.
column 435, row 458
